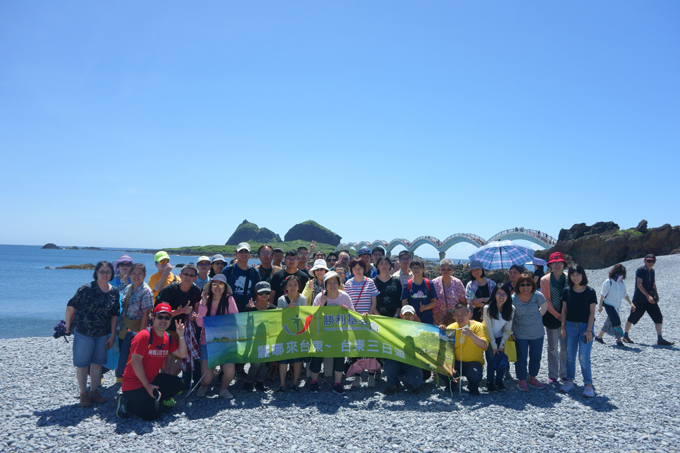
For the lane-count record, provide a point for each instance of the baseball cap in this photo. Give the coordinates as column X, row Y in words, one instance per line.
column 202, row 258
column 364, row 251
column 218, row 257
column 408, row 309
column 162, row 308
column 160, row 256
column 650, row 257
column 263, row 287
column 243, row 245
column 474, row 264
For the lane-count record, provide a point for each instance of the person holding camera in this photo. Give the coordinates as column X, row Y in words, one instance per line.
column 145, row 389
column 578, row 316
column 92, row 315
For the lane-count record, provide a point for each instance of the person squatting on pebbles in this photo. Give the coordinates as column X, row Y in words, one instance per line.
column 513, row 311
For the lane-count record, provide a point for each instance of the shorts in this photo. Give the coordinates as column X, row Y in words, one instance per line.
column 289, row 361
column 652, row 310
column 88, row 350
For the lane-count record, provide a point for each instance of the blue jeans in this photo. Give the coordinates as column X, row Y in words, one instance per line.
column 491, row 370
column 576, row 330
column 530, row 350
column 413, row 374
column 88, row 350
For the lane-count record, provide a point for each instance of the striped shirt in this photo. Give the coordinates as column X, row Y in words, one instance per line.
column 354, row 288
column 528, row 322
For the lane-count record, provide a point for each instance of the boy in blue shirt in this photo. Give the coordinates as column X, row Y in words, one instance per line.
column 419, row 293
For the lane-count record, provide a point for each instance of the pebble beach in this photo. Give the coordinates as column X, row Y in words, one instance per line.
column 636, row 407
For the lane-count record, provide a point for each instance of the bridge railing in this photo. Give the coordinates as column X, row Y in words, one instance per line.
column 543, row 237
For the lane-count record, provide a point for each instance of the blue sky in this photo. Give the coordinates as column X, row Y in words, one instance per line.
column 159, row 124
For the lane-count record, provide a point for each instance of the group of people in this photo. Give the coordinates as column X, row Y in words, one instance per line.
column 163, row 320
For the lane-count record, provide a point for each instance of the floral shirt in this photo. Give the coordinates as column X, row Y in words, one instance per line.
column 447, row 299
column 141, row 300
column 94, row 309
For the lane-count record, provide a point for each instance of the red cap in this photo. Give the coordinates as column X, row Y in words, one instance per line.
column 160, row 308
column 556, row 258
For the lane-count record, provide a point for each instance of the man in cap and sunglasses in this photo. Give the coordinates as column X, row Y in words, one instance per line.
column 164, row 276
column 646, row 299
column 145, row 389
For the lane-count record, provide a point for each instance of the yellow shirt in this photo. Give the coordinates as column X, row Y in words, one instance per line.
column 157, row 276
column 469, row 350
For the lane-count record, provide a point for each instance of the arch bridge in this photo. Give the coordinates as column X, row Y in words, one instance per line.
column 518, row 233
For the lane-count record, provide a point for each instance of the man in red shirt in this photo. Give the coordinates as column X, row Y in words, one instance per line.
column 143, row 383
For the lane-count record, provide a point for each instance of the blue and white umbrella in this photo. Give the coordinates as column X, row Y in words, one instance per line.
column 502, row 255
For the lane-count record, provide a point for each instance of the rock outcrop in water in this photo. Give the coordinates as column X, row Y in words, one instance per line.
column 51, row 246
column 88, row 266
column 312, row 231
column 248, row 231
column 604, row 244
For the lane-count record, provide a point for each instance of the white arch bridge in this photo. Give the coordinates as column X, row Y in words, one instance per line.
column 537, row 237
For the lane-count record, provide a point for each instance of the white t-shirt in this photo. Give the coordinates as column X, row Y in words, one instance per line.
column 342, row 299
column 614, row 292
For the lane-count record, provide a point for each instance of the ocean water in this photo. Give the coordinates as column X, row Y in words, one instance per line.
column 33, row 299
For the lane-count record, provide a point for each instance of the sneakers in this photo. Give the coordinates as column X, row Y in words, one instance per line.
column 500, row 386
column 588, row 392
column 201, row 392
column 391, row 389
column 664, row 342
column 121, row 409
column 170, row 402
column 259, row 386
column 536, row 383
column 552, row 381
column 294, row 388
column 356, row 383
column 338, row 389
column 314, row 387
column 95, row 397
column 281, row 390
column 474, row 391
column 413, row 390
column 627, row 340
column 247, row 386
column 85, row 399
column 522, row 386
column 490, row 387
column 566, row 388
column 224, row 393
column 599, row 340
column 371, row 380
column 620, row 344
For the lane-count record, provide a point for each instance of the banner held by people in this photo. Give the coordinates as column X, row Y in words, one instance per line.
column 274, row 335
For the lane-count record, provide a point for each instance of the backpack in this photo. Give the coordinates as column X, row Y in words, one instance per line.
column 123, row 360
column 410, row 281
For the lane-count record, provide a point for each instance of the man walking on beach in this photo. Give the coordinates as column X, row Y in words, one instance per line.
column 645, row 299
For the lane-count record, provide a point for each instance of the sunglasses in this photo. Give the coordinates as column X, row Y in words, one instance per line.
column 651, row 261
column 124, row 264
column 188, row 275
column 104, row 272
column 163, row 317
column 524, row 285
column 264, row 293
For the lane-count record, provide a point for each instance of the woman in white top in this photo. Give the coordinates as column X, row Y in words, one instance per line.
column 613, row 291
column 497, row 315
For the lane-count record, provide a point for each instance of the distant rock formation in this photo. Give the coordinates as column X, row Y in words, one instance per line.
column 49, row 245
column 604, row 244
column 248, row 231
column 71, row 248
column 91, row 248
column 312, row 231
column 88, row 266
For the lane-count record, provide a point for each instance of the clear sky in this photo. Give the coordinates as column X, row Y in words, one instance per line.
column 159, row 124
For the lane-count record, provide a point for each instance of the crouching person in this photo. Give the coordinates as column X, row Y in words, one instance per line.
column 412, row 374
column 471, row 343
column 145, row 389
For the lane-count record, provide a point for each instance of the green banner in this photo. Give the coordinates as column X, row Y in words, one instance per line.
column 291, row 333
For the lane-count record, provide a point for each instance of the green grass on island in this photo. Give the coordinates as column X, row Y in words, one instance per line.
column 210, row 250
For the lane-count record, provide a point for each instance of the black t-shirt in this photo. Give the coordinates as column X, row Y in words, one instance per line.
column 265, row 274
column 269, row 307
column 648, row 277
column 389, row 299
column 482, row 292
column 578, row 304
column 174, row 296
column 280, row 276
